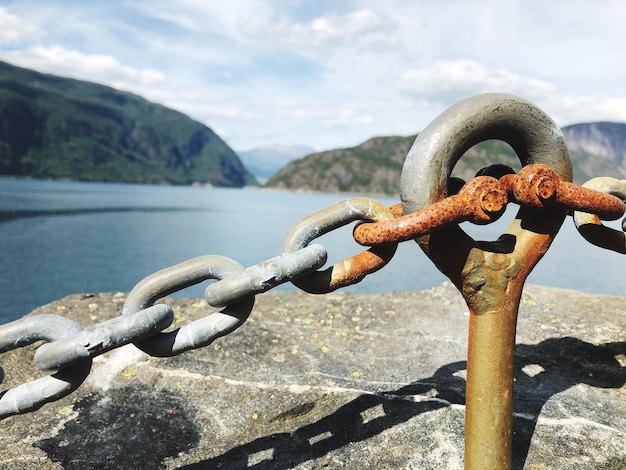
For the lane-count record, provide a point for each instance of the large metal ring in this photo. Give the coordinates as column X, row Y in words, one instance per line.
column 200, row 332
column 527, row 129
column 31, row 396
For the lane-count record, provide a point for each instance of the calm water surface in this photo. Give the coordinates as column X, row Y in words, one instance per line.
column 60, row 238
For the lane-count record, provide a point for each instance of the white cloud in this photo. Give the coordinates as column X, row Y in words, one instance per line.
column 228, row 19
column 614, row 108
column 447, row 81
column 96, row 67
column 345, row 28
column 346, row 117
column 14, row 29
column 330, row 31
column 569, row 109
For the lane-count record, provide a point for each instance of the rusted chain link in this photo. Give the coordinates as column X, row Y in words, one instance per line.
column 353, row 269
column 480, row 201
column 483, row 200
column 539, row 186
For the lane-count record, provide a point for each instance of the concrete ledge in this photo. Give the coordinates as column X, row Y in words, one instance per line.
column 333, row 381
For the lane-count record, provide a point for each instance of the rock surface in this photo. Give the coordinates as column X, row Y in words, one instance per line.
column 333, row 381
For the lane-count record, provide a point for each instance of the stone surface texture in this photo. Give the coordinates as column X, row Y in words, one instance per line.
column 333, row 381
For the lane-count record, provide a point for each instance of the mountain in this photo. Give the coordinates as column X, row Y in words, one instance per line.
column 597, row 149
column 264, row 161
column 374, row 166
column 54, row 127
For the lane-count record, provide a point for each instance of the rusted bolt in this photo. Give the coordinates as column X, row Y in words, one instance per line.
column 536, row 185
column 484, row 199
column 584, row 199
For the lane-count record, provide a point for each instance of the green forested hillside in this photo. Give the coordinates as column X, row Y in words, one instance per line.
column 375, row 165
column 53, row 127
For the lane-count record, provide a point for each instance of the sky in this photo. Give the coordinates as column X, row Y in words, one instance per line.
column 330, row 73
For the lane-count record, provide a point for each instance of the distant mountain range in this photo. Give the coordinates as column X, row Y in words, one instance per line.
column 265, row 161
column 596, row 149
column 53, row 127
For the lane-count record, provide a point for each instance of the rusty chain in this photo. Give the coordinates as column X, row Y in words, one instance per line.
column 483, row 200
column 429, row 216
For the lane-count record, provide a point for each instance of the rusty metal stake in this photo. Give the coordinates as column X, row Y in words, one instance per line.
column 490, row 275
column 492, row 284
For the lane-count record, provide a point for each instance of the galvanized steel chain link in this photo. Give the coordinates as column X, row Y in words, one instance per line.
column 68, row 349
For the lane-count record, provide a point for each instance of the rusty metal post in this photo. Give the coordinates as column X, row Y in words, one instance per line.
column 492, row 284
column 490, row 275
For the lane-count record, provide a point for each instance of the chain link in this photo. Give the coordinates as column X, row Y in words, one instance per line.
column 589, row 225
column 103, row 337
column 200, row 332
column 480, row 201
column 483, row 200
column 266, row 275
column 539, row 186
column 350, row 270
column 31, row 396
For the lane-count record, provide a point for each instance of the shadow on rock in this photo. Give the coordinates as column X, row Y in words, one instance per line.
column 551, row 367
column 542, row 371
column 132, row 427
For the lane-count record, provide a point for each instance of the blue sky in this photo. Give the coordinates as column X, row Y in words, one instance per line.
column 330, row 74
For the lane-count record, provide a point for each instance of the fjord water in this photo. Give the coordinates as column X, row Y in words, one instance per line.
column 61, row 237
